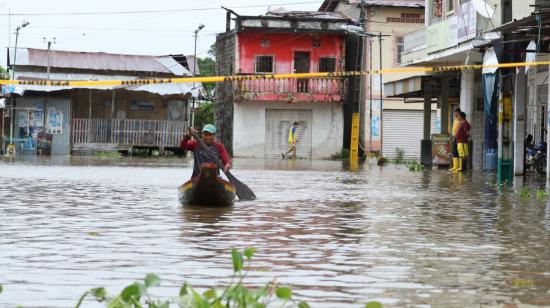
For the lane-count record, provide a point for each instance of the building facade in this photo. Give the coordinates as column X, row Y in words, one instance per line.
column 254, row 116
column 465, row 32
column 87, row 119
column 391, row 124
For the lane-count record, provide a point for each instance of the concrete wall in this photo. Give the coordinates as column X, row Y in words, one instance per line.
column 282, row 47
column 249, row 127
column 223, row 105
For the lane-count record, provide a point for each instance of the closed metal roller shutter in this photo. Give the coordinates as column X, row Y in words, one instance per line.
column 277, row 125
column 404, row 129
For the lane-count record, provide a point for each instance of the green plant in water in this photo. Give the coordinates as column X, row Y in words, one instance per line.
column 374, row 304
column 110, row 154
column 414, row 166
column 542, row 194
column 524, row 193
column 235, row 295
column 400, row 155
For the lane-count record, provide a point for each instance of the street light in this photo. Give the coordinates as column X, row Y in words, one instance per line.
column 11, row 146
column 23, row 25
column 195, row 63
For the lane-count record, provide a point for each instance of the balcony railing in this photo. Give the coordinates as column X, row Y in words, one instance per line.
column 414, row 40
column 311, row 89
column 127, row 132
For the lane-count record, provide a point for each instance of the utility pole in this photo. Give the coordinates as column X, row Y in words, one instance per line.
column 25, row 23
column 49, row 41
column 11, row 146
column 381, row 96
column 201, row 26
column 370, row 94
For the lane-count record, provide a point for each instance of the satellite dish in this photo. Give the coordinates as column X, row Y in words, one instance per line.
column 483, row 8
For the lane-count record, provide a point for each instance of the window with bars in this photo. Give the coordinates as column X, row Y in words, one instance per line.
column 264, row 65
column 450, row 6
column 399, row 47
column 327, row 64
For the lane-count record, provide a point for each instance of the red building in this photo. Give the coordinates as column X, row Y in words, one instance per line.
column 254, row 115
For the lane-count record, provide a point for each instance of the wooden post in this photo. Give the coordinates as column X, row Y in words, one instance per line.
column 112, row 105
column 354, row 146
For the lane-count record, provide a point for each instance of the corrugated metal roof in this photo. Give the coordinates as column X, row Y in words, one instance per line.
column 282, row 12
column 97, row 61
column 173, row 66
column 397, row 3
column 161, row 89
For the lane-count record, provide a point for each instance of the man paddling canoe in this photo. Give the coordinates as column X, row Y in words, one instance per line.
column 200, row 155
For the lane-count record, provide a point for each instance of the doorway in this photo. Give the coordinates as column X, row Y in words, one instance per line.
column 302, row 65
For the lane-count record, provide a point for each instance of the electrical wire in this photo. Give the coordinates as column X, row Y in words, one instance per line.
column 154, row 11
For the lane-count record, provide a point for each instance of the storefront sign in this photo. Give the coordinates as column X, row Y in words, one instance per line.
column 442, row 35
column 467, row 22
column 441, row 149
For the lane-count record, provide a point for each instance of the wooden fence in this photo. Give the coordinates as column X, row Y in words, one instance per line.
column 126, row 132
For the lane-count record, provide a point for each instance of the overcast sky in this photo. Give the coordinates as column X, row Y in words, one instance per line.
column 151, row 33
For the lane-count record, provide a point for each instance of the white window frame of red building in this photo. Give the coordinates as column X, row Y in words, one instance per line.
column 272, row 64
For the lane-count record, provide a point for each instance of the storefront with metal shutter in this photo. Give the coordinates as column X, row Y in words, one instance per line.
column 260, row 129
column 404, row 129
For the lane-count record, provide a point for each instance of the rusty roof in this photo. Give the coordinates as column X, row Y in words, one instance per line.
column 282, row 12
column 100, row 61
column 330, row 5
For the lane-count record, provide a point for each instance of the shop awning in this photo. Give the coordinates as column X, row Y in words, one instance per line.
column 408, row 87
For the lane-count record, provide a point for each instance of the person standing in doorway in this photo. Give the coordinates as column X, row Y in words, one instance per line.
column 291, row 141
column 454, row 144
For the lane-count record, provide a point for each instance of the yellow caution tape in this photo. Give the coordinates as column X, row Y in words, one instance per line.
column 213, row 79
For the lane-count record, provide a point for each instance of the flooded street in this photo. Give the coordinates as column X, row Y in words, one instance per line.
column 403, row 238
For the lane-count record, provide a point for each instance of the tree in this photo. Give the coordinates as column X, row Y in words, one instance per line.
column 212, row 50
column 207, row 67
column 4, row 74
column 205, row 115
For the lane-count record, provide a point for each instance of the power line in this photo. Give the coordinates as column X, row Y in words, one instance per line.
column 152, row 11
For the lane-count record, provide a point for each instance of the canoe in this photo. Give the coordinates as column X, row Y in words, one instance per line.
column 207, row 189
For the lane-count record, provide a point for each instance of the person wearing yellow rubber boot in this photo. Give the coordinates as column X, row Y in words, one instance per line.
column 454, row 144
column 462, row 141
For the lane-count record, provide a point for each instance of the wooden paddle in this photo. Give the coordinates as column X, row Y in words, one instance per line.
column 243, row 191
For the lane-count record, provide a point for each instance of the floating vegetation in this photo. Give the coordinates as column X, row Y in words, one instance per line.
column 541, row 194
column 524, row 193
column 109, row 154
column 414, row 166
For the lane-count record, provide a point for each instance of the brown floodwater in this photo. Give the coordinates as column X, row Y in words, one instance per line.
column 416, row 239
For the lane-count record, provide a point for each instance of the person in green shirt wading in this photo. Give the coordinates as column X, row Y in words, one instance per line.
column 291, row 140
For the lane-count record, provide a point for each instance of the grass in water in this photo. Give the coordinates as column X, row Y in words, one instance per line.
column 542, row 194
column 524, row 193
column 111, row 154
